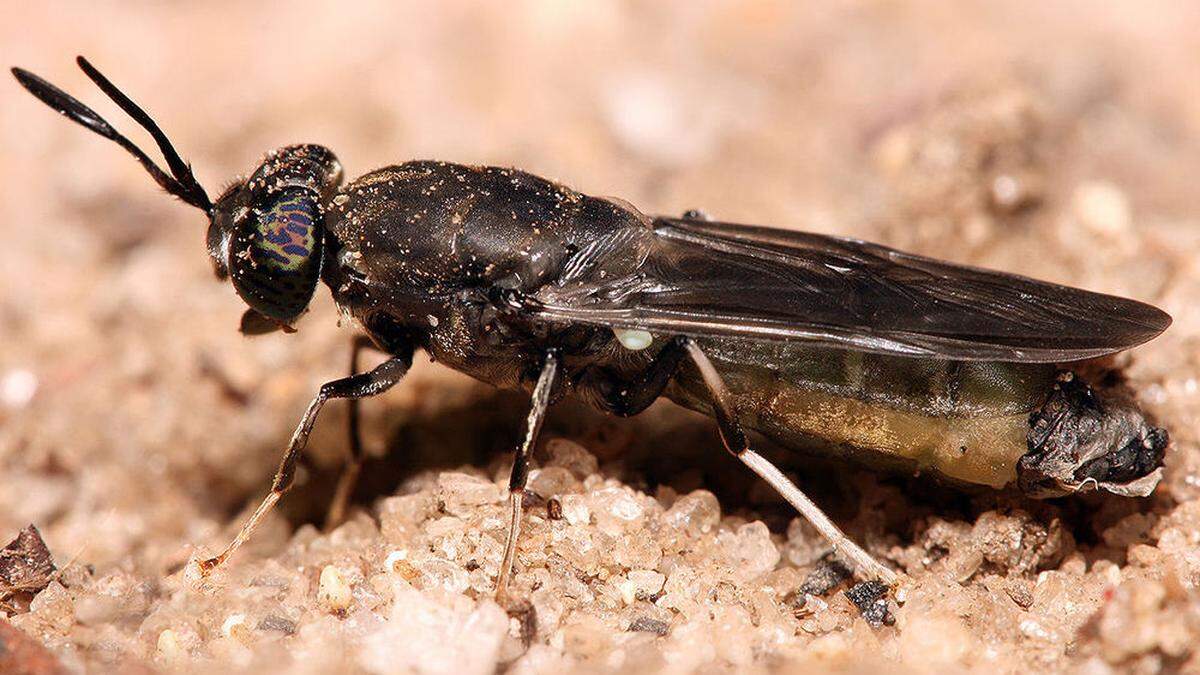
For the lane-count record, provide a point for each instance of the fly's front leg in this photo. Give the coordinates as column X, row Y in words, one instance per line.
column 520, row 470
column 353, row 466
column 375, row 382
column 734, row 439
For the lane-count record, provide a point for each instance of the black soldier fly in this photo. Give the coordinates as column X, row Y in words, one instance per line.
column 891, row 358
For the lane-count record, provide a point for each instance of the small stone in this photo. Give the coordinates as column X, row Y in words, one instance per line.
column 636, row 552
column 935, row 639
column 1174, row 540
column 277, row 623
column 1130, row 530
column 397, row 563
column 235, row 627
column 1020, row 591
column 461, row 494
column 1142, row 555
column 394, row 557
column 25, row 563
column 750, row 551
column 682, row 591
column 1034, row 630
column 571, row 456
column 400, row 517
column 333, row 591
column 427, row 633
column 54, row 608
column 575, row 510
column 553, row 481
column 442, row 573
column 531, row 499
column 168, row 648
column 828, row 573
column 194, row 575
column 697, row 512
column 616, row 510
column 588, row 636
column 645, row 624
column 870, row 597
column 647, row 583
column 640, row 585
column 554, row 509
column 804, row 547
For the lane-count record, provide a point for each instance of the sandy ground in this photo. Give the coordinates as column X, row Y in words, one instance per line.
column 1056, row 140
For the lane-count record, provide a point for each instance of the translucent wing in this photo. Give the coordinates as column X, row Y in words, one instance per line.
column 705, row 278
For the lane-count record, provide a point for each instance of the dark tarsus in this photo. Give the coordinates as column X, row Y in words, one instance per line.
column 520, row 282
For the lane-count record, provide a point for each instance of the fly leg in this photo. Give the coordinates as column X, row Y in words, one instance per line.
column 734, row 439
column 349, row 477
column 625, row 398
column 362, row 385
column 520, row 470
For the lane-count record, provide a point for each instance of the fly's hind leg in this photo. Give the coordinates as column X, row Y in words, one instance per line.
column 362, row 385
column 520, row 470
column 735, row 441
column 354, row 460
column 628, row 397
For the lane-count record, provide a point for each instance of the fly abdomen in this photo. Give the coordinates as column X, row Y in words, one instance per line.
column 967, row 421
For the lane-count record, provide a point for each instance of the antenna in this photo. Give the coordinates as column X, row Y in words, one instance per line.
column 182, row 182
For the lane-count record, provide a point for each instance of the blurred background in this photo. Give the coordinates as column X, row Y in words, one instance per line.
column 1059, row 140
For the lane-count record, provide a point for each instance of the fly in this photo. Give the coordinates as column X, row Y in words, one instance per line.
column 893, row 359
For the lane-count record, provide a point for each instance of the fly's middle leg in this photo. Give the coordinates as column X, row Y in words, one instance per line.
column 734, row 438
column 618, row 396
column 520, row 470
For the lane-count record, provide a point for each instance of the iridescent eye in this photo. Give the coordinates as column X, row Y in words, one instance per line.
column 275, row 259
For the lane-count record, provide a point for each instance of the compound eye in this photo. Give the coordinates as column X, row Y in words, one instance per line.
column 275, row 257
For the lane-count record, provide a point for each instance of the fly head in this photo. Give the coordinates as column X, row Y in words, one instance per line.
column 265, row 233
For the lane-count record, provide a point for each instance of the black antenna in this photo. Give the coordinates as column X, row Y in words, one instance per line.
column 183, row 184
